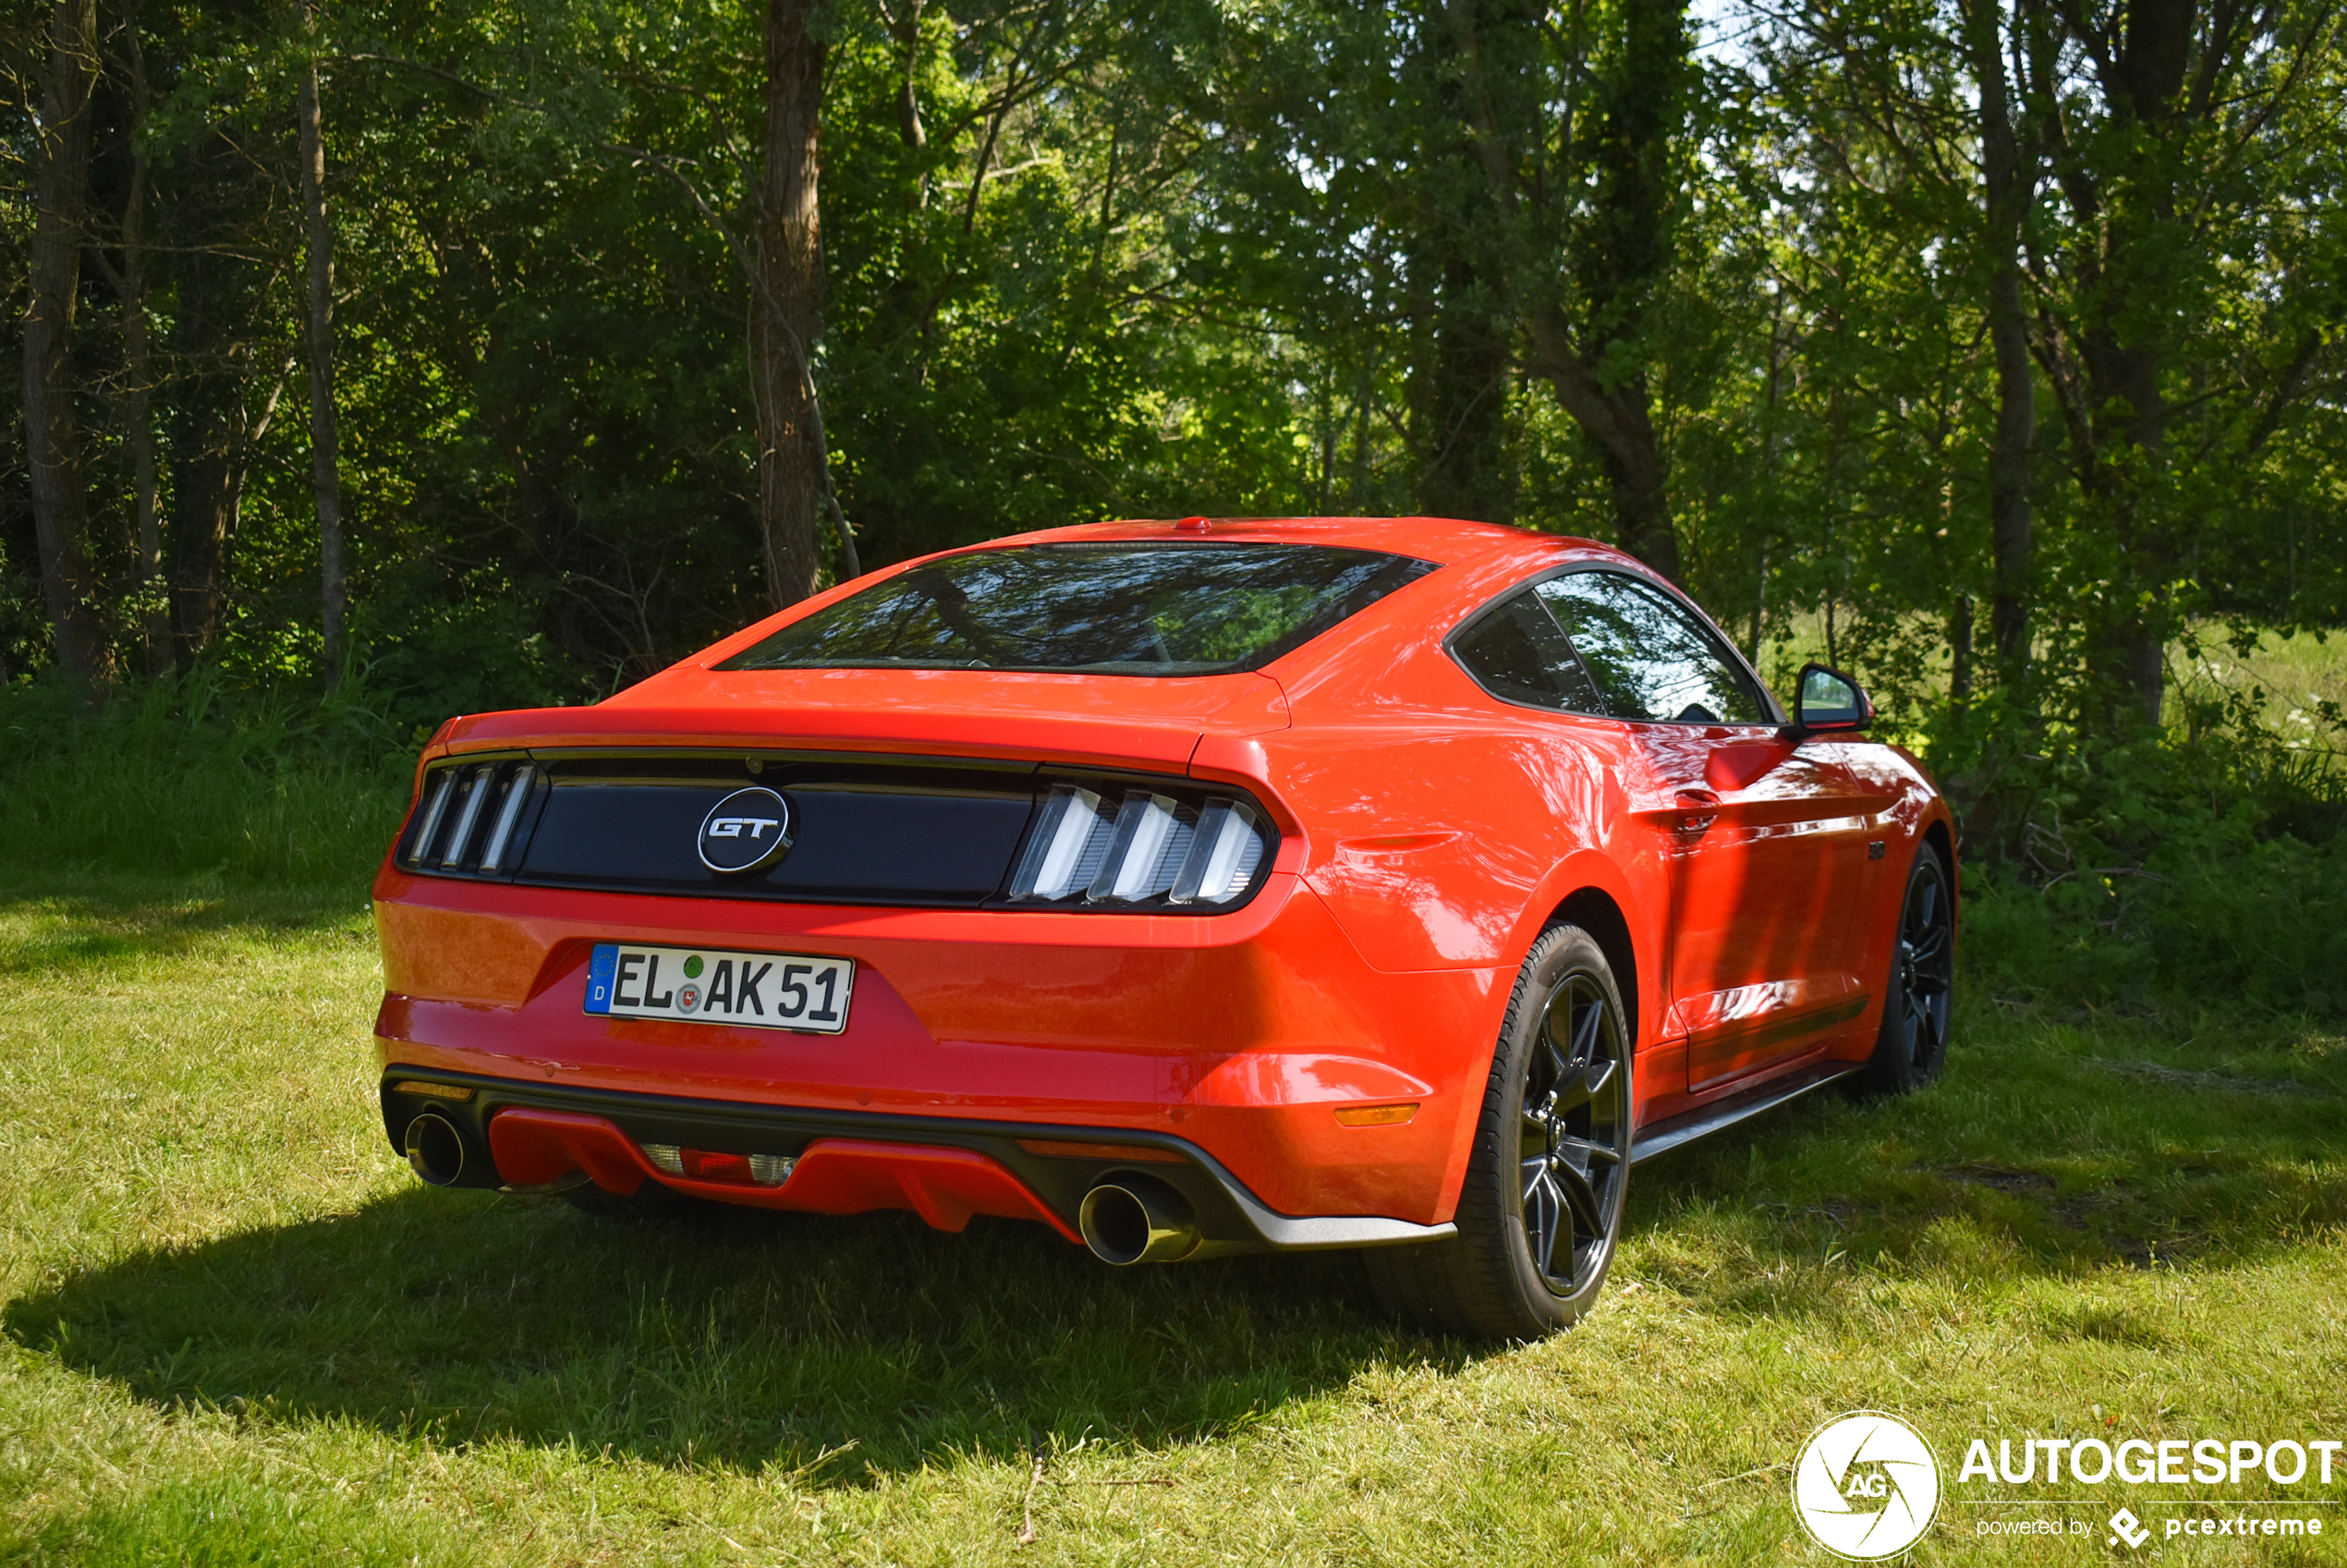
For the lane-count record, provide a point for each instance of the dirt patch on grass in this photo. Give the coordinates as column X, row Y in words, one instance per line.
column 2184, row 1077
column 2107, row 1217
column 2003, row 1178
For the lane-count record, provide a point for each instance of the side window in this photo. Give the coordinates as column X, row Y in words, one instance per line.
column 1649, row 658
column 1517, row 653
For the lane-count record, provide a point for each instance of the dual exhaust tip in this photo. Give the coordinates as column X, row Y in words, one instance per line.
column 1136, row 1219
column 1128, row 1219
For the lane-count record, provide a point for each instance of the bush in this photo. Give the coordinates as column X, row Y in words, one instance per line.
column 2207, row 872
column 184, row 777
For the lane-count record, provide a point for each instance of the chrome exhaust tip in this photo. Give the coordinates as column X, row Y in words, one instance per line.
column 435, row 1149
column 1134, row 1220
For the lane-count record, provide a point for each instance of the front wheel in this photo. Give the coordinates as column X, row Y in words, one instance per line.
column 1541, row 1209
column 1913, row 1044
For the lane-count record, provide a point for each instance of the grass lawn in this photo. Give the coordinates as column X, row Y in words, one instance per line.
column 236, row 1331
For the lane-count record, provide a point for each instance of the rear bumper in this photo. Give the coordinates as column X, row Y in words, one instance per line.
column 1238, row 1038
column 928, row 1158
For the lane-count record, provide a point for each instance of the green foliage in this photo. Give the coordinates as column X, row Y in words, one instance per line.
column 193, row 778
column 2203, row 875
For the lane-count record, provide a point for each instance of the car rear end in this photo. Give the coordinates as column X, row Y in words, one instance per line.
column 958, row 940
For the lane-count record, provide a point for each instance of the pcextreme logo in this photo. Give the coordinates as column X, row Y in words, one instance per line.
column 1865, row 1486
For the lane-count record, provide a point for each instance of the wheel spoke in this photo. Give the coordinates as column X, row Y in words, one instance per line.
column 1581, row 1086
column 1543, row 1218
column 1588, row 1215
column 1534, row 1170
column 1597, row 1078
column 1558, row 1065
column 1590, row 1152
column 1929, row 901
column 1927, row 1025
column 1584, row 1033
column 1928, row 947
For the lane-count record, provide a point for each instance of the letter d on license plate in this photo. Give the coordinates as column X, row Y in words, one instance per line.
column 705, row 985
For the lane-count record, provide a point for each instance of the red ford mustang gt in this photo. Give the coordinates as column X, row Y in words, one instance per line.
column 1189, row 888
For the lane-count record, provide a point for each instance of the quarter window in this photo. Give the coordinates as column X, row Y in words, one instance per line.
column 1648, row 658
column 1518, row 654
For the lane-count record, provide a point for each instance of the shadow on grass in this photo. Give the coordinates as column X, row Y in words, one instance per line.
column 2049, row 1151
column 750, row 1339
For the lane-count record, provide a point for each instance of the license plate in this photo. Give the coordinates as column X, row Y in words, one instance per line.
column 762, row 990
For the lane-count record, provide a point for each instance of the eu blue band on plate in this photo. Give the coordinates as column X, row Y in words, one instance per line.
column 598, row 968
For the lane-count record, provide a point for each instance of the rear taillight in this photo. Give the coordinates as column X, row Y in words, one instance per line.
column 474, row 819
column 1147, row 847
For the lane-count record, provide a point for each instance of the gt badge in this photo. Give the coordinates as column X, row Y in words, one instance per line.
column 747, row 831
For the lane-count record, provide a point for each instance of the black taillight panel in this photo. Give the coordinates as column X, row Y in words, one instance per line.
column 908, row 832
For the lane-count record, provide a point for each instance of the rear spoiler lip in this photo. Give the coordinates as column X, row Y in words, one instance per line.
column 1038, row 740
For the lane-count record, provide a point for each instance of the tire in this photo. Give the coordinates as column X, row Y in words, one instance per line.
column 1540, row 1213
column 1912, row 1046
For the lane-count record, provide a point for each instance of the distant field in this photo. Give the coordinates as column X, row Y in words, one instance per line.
column 235, row 1332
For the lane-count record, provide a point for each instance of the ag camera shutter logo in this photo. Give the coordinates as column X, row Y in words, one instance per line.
column 1866, row 1486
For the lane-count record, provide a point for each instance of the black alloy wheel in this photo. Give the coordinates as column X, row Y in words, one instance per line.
column 1913, row 1045
column 1541, row 1213
column 1576, row 1137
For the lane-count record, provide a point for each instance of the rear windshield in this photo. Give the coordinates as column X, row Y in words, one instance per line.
column 1111, row 609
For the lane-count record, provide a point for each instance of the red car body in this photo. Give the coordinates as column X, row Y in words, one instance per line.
column 1307, row 1067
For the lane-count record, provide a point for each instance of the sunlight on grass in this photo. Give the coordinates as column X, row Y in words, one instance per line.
column 236, row 1331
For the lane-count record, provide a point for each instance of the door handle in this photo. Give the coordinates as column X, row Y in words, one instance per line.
column 1696, row 808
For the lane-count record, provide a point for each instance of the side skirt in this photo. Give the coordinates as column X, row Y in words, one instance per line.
column 1665, row 1136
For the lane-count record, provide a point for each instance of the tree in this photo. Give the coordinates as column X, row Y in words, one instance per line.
column 786, row 305
column 318, row 237
column 52, row 430
column 2182, row 145
column 2008, row 190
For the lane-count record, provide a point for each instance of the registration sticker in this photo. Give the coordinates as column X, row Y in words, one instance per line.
column 762, row 990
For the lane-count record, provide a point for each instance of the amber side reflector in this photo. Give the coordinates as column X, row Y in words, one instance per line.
column 1375, row 1115
column 1139, row 1152
column 436, row 1091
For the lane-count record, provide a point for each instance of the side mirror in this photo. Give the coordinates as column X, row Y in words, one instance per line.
column 1828, row 701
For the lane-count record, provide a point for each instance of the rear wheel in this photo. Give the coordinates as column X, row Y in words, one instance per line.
column 1541, row 1208
column 1913, row 1044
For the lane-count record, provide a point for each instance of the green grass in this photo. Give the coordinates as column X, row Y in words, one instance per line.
column 236, row 1332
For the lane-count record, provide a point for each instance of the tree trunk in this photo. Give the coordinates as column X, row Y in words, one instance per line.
column 905, row 27
column 139, row 377
column 1622, row 258
column 208, row 497
column 1616, row 420
column 2134, row 292
column 1463, row 465
column 2011, row 521
column 53, row 435
column 787, row 304
column 1959, row 652
column 325, row 479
